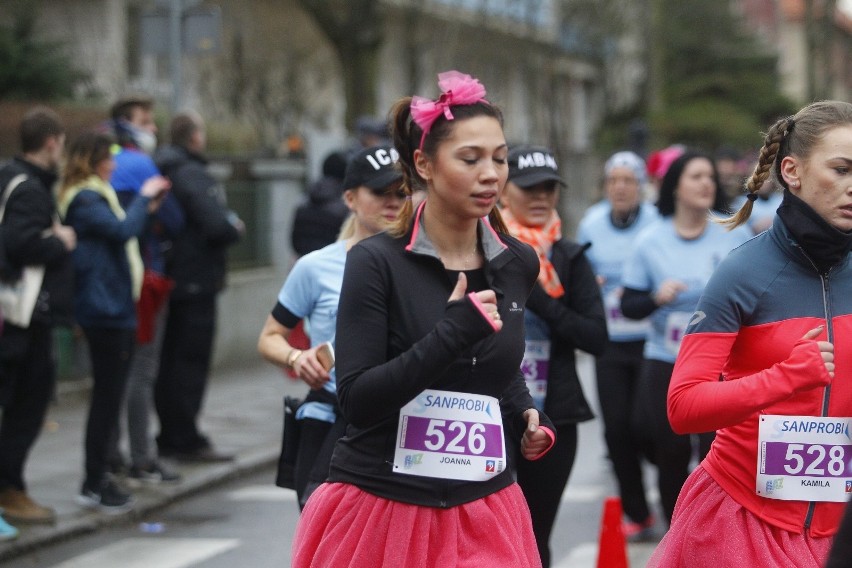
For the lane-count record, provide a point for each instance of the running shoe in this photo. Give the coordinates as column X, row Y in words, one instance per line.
column 7, row 531
column 106, row 497
column 639, row 532
column 154, row 473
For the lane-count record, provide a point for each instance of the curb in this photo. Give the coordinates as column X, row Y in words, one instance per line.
column 198, row 479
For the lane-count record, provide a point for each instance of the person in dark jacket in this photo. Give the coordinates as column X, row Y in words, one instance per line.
column 32, row 235
column 132, row 122
column 429, row 343
column 197, row 264
column 108, row 279
column 317, row 222
column 564, row 312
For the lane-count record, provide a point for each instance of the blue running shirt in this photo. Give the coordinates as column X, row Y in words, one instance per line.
column 661, row 254
column 608, row 253
column 312, row 292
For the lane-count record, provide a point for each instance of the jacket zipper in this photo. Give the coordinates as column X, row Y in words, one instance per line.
column 829, row 330
column 445, row 493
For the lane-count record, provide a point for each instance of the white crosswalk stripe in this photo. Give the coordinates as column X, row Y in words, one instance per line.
column 153, row 551
column 586, row 556
column 583, row 494
column 262, row 493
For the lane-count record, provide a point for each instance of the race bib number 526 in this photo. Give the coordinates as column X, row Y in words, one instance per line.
column 450, row 435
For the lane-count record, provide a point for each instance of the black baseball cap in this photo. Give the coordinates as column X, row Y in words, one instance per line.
column 374, row 167
column 531, row 165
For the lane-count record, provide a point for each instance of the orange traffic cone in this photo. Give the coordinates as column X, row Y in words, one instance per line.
column 612, row 549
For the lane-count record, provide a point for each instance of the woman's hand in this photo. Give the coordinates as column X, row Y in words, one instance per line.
column 65, row 234
column 668, row 291
column 274, row 347
column 155, row 188
column 826, row 349
column 535, row 440
column 308, row 368
column 487, row 300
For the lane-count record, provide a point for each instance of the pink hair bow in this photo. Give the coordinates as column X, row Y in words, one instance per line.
column 457, row 89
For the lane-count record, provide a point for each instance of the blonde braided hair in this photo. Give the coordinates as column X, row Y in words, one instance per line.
column 794, row 135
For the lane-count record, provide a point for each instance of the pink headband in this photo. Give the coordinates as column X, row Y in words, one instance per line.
column 456, row 89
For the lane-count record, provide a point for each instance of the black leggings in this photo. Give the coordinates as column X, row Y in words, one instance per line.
column 671, row 452
column 28, row 377
column 543, row 482
column 618, row 371
column 316, row 444
column 110, row 350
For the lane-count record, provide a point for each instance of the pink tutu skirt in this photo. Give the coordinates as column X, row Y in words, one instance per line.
column 710, row 529
column 343, row 526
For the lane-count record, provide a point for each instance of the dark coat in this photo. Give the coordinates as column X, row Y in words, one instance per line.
column 30, row 212
column 397, row 335
column 104, row 294
column 577, row 321
column 197, row 261
column 317, row 221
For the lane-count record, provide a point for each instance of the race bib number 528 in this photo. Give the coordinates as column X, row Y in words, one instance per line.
column 804, row 458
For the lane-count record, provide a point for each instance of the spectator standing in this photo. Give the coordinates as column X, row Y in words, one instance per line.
column 197, row 264
column 419, row 322
column 311, row 292
column 32, row 235
column 670, row 264
column 611, row 231
column 108, row 277
column 766, row 364
column 132, row 122
column 564, row 313
column 317, row 222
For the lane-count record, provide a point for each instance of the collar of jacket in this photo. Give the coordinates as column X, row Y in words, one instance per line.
column 47, row 177
column 419, row 243
column 787, row 240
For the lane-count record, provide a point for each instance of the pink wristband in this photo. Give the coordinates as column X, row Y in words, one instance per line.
column 479, row 306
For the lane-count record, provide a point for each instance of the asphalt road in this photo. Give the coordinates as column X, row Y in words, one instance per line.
column 250, row 522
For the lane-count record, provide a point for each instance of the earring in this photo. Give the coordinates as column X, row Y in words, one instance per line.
column 794, row 184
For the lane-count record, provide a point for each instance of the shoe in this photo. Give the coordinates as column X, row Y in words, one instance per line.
column 7, row 531
column 107, row 497
column 204, row 454
column 639, row 532
column 154, row 473
column 20, row 508
column 117, row 466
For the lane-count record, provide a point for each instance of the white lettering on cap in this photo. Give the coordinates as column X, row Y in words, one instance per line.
column 382, row 157
column 537, row 160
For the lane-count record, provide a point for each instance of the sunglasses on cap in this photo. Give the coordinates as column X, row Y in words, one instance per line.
column 386, row 192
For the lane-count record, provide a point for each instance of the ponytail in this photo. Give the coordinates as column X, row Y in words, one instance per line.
column 404, row 132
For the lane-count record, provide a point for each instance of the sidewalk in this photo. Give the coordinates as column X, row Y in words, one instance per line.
column 242, row 414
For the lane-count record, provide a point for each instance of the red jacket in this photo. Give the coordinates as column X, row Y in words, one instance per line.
column 744, row 356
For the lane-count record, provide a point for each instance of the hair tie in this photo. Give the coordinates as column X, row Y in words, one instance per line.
column 456, row 89
column 752, row 197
